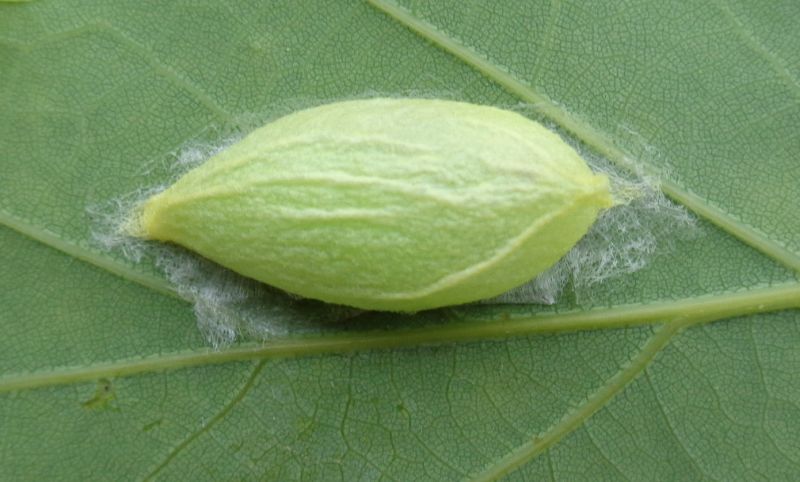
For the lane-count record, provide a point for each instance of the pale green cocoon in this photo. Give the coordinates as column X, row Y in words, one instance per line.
column 388, row 204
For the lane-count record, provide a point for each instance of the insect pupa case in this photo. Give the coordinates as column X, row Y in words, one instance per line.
column 388, row 204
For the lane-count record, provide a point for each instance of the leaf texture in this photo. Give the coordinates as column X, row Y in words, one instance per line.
column 103, row 370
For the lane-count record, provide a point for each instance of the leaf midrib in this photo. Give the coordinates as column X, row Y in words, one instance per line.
column 489, row 325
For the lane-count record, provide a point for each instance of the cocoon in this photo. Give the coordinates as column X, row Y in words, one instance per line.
column 387, row 204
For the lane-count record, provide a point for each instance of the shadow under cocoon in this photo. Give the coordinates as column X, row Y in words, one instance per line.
column 229, row 307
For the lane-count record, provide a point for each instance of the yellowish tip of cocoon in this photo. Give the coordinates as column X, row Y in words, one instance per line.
column 604, row 197
column 143, row 222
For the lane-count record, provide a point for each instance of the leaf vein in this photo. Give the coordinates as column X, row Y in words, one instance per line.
column 757, row 45
column 243, row 391
column 537, row 445
column 672, row 432
column 481, row 325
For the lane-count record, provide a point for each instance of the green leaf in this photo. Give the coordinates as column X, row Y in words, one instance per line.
column 104, row 374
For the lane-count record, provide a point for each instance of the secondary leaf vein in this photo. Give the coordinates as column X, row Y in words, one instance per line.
column 86, row 254
column 597, row 400
column 248, row 385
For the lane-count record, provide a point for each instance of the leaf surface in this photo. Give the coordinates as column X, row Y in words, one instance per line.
column 103, row 370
